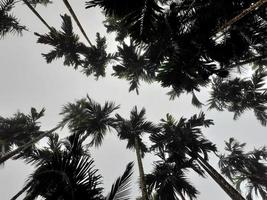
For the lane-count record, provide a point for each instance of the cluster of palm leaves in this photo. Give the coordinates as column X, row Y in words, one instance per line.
column 238, row 95
column 92, row 60
column 8, row 22
column 19, row 129
column 248, row 168
column 65, row 170
column 179, row 37
column 171, row 43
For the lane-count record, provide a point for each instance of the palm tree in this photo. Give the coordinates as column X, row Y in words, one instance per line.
column 86, row 117
column 132, row 130
column 248, row 168
column 182, row 139
column 66, row 44
column 19, row 130
column 238, row 95
column 133, row 66
column 64, row 170
column 169, row 181
column 180, row 44
column 8, row 22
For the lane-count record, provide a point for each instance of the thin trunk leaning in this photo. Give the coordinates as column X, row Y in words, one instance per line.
column 20, row 192
column 230, row 190
column 27, row 145
column 141, row 171
column 37, row 14
column 77, row 21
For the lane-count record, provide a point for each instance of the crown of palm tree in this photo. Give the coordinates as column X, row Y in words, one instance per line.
column 88, row 118
column 249, row 168
column 238, row 95
column 134, row 128
column 8, row 22
column 169, row 182
column 65, row 170
column 19, row 129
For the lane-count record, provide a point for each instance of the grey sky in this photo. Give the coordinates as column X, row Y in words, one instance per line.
column 27, row 81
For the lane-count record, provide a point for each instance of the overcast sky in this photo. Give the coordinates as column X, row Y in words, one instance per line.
column 27, row 81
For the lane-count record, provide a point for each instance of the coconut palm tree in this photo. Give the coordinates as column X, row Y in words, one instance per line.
column 182, row 139
column 86, row 117
column 132, row 130
column 248, row 168
column 64, row 170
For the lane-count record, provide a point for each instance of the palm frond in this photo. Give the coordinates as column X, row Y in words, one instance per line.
column 8, row 22
column 120, row 189
column 89, row 118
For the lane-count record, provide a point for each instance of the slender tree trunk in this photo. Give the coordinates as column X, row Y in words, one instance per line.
column 219, row 179
column 241, row 15
column 20, row 192
column 255, row 59
column 141, row 171
column 27, row 145
column 37, row 14
column 77, row 21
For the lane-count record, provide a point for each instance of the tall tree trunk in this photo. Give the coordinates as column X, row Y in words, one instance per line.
column 20, row 192
column 238, row 17
column 77, row 21
column 219, row 179
column 37, row 14
column 27, row 145
column 141, row 171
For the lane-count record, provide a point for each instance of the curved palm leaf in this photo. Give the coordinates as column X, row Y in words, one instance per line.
column 120, row 189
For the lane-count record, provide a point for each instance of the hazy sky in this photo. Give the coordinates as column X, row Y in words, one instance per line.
column 27, row 81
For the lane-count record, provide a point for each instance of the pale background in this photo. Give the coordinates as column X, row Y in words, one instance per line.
column 27, row 81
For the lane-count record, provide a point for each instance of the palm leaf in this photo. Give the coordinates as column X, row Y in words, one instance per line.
column 120, row 189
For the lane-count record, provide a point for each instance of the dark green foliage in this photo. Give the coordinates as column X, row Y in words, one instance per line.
column 178, row 144
column 37, row 2
column 239, row 95
column 66, row 44
column 88, row 118
column 120, row 189
column 248, row 168
column 8, row 22
column 65, row 171
column 183, row 137
column 96, row 58
column 62, row 174
column 19, row 129
column 133, row 66
column 113, row 24
column 181, row 40
column 169, row 182
column 92, row 60
column 134, row 128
